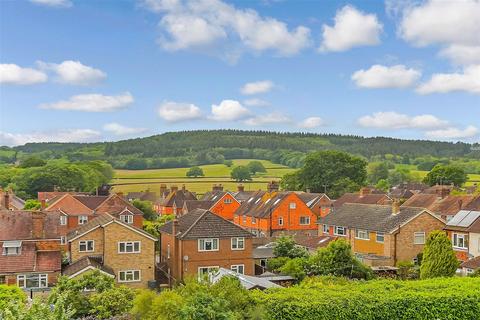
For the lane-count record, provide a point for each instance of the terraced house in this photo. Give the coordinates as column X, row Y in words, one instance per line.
column 382, row 235
column 116, row 248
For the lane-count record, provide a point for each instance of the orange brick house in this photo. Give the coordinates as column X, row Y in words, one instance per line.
column 464, row 232
column 224, row 203
column 268, row 214
column 200, row 241
column 319, row 203
column 381, row 235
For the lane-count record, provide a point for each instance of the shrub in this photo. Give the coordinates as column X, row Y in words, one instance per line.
column 439, row 259
column 9, row 295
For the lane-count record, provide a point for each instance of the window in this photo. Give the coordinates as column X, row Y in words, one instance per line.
column 129, row 276
column 82, row 219
column 280, row 221
column 62, row 240
column 380, row 237
column 326, row 228
column 362, row 234
column 304, row 221
column 12, row 248
column 86, row 246
column 244, row 219
column 254, row 220
column 203, row 271
column 460, row 241
column 419, row 238
column 263, row 263
column 238, row 268
column 63, row 220
column 227, row 200
column 210, row 244
column 129, row 247
column 32, row 280
column 293, row 205
column 340, row 231
column 127, row 218
column 238, row 243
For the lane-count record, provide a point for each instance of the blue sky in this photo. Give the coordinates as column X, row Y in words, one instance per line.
column 111, row 70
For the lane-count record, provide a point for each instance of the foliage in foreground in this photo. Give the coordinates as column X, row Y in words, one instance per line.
column 439, row 259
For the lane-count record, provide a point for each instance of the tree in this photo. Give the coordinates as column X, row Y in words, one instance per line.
column 240, row 174
column 228, row 163
column 32, row 204
column 195, row 172
column 439, row 259
column 290, row 181
column 446, row 174
column 285, row 246
column 295, row 267
column 136, row 164
column 377, row 171
column 10, row 295
column 111, row 302
column 383, row 185
column 256, row 166
column 147, row 208
column 31, row 162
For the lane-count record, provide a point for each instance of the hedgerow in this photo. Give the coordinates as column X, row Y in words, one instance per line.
column 324, row 298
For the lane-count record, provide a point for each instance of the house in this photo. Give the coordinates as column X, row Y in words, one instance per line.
column 470, row 266
column 31, row 251
column 464, row 232
column 224, row 203
column 200, row 241
column 190, row 205
column 80, row 209
column 116, row 248
column 405, row 190
column 173, row 202
column 142, row 195
column 270, row 213
column 9, row 200
column 381, row 235
column 261, row 255
column 319, row 203
column 365, row 196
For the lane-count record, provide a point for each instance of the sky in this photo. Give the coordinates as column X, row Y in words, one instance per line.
column 84, row 71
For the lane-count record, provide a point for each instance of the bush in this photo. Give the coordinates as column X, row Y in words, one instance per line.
column 439, row 259
column 194, row 172
column 10, row 295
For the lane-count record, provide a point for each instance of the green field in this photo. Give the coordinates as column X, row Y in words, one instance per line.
column 142, row 180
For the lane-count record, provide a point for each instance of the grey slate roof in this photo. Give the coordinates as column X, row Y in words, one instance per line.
column 201, row 223
column 88, row 261
column 370, row 217
column 191, row 205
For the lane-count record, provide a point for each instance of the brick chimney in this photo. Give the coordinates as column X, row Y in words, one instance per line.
column 43, row 204
column 184, row 188
column 364, row 191
column 395, row 207
column 217, row 187
column 163, row 189
column 38, row 228
column 173, row 188
column 240, row 188
column 273, row 186
column 460, row 204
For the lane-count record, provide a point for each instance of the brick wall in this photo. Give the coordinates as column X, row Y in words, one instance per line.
column 95, row 235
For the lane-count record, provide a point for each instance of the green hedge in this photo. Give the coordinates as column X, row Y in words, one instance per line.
column 10, row 294
column 321, row 298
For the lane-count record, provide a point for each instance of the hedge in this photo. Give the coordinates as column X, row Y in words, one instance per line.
column 441, row 298
column 10, row 294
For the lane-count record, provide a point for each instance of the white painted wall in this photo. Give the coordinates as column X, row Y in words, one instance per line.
column 474, row 244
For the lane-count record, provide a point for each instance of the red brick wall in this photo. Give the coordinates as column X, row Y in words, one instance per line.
column 226, row 210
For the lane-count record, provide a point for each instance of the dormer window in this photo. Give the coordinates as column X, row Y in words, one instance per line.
column 127, row 218
column 12, row 248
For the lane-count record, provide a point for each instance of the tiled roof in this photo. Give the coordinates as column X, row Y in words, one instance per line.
column 248, row 282
column 213, row 195
column 370, row 217
column 420, row 200
column 201, row 223
column 18, row 224
column 473, row 263
column 449, row 205
column 243, row 195
column 372, row 198
column 465, row 220
column 91, row 202
column 144, row 196
column 49, row 261
column 314, row 242
column 310, row 199
column 178, row 197
column 261, row 204
column 114, row 205
column 88, row 261
column 30, row 260
column 191, row 205
column 474, row 204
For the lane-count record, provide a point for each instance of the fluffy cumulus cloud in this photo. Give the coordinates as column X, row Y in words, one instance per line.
column 121, row 130
column 92, row 103
column 352, row 28
column 468, row 80
column 178, row 111
column 462, row 55
column 452, row 133
column 268, row 119
column 255, row 102
column 13, row 74
column 257, row 87
column 204, row 23
column 229, row 110
column 74, row 72
column 68, row 135
column 394, row 120
column 311, row 123
column 53, row 3
column 378, row 76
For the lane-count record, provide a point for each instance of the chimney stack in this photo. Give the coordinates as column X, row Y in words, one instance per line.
column 273, row 186
column 364, row 191
column 395, row 207
column 184, row 188
column 241, row 188
column 38, row 228
column 163, row 189
column 6, row 202
column 217, row 187
column 173, row 188
column 43, row 204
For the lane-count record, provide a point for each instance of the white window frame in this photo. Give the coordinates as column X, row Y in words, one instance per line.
column 415, row 234
column 227, row 201
column 126, row 218
column 85, row 243
column 381, row 235
column 238, row 268
column 344, row 234
column 6, row 251
column 42, row 277
column 280, row 221
column 292, row 205
column 305, row 224
column 129, row 244
column 235, row 243
column 326, row 228
column 209, row 269
column 63, row 220
column 202, row 244
column 83, row 219
column 362, row 234
column 63, row 240
column 129, row 272
column 244, row 218
column 254, row 220
column 455, row 241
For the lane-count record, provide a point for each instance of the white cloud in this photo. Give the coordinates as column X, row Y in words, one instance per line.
column 468, row 81
column 178, row 111
column 53, row 3
column 442, row 22
column 92, row 103
column 393, row 120
column 256, row 103
column 379, row 76
column 121, row 130
column 352, row 28
column 312, row 122
column 74, row 72
column 229, row 110
column 257, row 87
column 199, row 24
column 461, row 54
column 453, row 133
column 267, row 119
column 13, row 74
column 68, row 135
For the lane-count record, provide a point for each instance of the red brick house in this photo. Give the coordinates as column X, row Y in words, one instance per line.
column 319, row 203
column 365, row 196
column 464, row 232
column 173, row 202
column 200, row 241
column 31, row 248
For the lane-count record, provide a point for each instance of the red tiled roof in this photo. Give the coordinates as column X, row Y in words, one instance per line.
column 91, row 202
column 49, row 261
column 472, row 263
column 24, row 262
column 18, row 225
